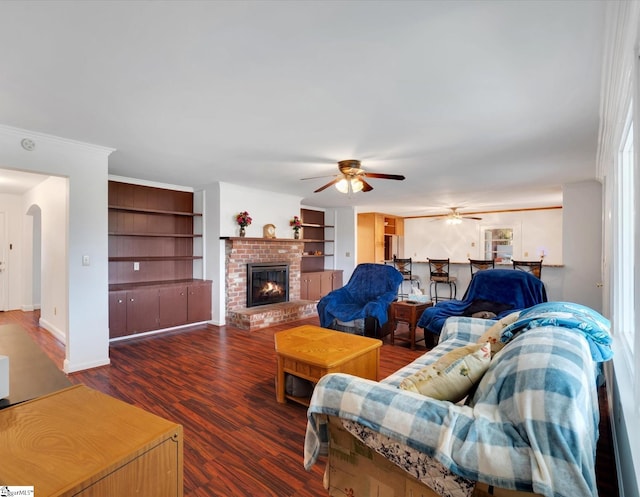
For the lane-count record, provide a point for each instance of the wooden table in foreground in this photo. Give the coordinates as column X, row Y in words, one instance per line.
column 78, row 441
column 310, row 352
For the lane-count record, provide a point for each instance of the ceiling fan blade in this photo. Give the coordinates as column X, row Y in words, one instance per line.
column 383, row 176
column 366, row 187
column 471, row 217
column 333, row 182
column 318, row 177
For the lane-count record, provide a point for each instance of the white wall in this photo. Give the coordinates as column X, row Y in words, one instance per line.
column 51, row 197
column 85, row 287
column 263, row 206
column 582, row 244
column 345, row 222
column 31, row 252
column 534, row 231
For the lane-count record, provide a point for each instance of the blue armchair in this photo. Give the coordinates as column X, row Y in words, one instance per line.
column 498, row 291
column 370, row 290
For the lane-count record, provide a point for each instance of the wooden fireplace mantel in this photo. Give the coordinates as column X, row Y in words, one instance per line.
column 261, row 239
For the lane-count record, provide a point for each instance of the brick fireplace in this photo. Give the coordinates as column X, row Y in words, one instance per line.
column 239, row 252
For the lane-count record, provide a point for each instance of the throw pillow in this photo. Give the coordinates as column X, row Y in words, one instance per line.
column 492, row 335
column 453, row 375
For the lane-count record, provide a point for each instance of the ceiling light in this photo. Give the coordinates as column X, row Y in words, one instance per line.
column 356, row 185
column 454, row 220
column 348, row 185
column 343, row 186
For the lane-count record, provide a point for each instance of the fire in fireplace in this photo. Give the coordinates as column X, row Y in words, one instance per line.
column 267, row 283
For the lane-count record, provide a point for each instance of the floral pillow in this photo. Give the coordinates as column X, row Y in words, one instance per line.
column 492, row 335
column 453, row 375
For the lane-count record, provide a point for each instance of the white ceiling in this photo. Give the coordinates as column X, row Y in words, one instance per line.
column 480, row 104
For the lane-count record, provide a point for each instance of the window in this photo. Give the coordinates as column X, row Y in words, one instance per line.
column 626, row 238
column 498, row 244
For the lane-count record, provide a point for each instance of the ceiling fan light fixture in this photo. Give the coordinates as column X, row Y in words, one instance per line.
column 343, row 186
column 454, row 220
column 356, row 185
column 347, row 185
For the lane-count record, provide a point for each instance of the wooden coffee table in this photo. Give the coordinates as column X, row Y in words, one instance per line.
column 310, row 352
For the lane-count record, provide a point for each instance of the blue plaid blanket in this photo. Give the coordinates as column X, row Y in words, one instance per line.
column 532, row 424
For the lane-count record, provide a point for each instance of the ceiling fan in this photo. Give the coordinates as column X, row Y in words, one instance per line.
column 352, row 178
column 455, row 217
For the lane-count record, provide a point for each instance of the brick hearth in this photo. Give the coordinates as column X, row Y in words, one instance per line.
column 241, row 251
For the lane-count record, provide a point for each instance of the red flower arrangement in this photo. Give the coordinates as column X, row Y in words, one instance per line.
column 295, row 223
column 243, row 219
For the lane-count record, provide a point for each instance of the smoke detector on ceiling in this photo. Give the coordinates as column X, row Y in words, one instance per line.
column 28, row 144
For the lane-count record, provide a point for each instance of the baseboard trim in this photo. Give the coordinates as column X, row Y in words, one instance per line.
column 56, row 332
column 67, row 367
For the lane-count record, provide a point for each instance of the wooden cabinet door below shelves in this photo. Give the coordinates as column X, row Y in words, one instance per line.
column 199, row 302
column 304, row 287
column 336, row 280
column 142, row 310
column 311, row 286
column 117, row 314
column 173, row 306
column 326, row 282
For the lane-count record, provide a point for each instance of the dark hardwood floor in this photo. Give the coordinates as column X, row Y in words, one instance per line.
column 218, row 382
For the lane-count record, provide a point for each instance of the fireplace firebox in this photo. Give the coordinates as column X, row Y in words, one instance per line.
column 267, row 283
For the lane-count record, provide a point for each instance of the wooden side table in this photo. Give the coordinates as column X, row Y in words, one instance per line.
column 407, row 312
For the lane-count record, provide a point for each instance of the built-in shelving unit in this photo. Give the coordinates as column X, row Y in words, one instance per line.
column 317, row 279
column 152, row 280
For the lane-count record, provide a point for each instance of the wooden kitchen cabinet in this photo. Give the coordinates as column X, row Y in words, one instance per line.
column 374, row 232
column 81, row 442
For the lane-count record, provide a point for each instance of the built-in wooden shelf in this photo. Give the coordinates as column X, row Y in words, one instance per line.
column 311, row 225
column 152, row 284
column 165, row 235
column 157, row 258
column 154, row 211
column 262, row 239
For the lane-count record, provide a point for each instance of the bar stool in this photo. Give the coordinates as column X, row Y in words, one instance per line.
column 405, row 266
column 481, row 265
column 533, row 267
column 439, row 273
